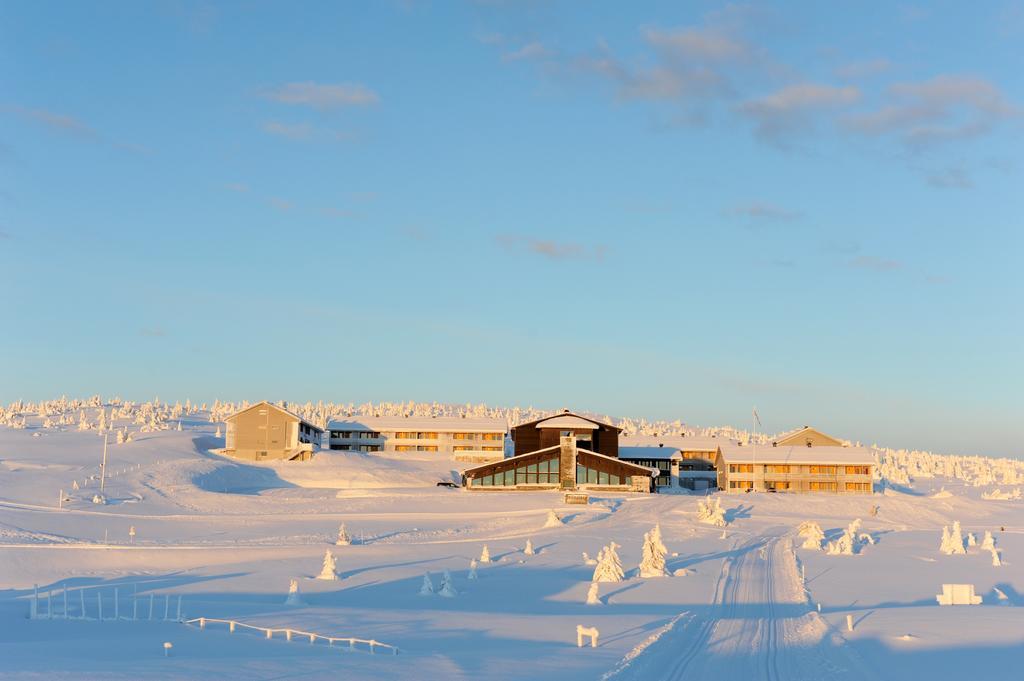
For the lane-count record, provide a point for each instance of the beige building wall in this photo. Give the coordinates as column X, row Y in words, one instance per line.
column 263, row 432
column 798, row 478
column 816, row 438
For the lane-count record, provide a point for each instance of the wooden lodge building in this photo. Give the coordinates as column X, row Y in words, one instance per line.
column 266, row 431
column 804, row 460
column 565, row 451
column 686, row 462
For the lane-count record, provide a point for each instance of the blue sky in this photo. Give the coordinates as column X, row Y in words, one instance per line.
column 671, row 210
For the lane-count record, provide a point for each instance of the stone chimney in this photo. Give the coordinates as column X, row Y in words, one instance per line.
column 567, row 461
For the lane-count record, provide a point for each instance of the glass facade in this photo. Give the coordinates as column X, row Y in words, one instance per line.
column 592, row 476
column 544, row 472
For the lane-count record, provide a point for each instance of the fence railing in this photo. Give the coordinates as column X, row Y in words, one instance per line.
column 91, row 607
column 269, row 632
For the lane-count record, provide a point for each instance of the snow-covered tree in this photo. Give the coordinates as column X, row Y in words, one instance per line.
column 294, row 596
column 447, row 588
column 952, row 540
column 427, row 588
column 988, row 542
column 528, row 549
column 472, row 569
column 343, row 538
column 593, row 595
column 485, row 555
column 710, row 511
column 848, row 543
column 653, row 552
column 328, row 570
column 812, row 534
column 553, row 520
column 609, row 566
column 996, row 562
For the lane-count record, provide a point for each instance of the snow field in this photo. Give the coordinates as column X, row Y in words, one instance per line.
column 229, row 537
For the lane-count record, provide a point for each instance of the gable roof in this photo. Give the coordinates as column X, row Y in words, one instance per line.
column 647, row 471
column 284, row 411
column 799, row 435
column 566, row 413
column 798, row 454
column 434, row 424
column 687, row 443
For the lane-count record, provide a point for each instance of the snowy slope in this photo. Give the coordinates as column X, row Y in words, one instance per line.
column 228, row 537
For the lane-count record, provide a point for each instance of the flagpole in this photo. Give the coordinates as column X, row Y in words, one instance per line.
column 753, row 468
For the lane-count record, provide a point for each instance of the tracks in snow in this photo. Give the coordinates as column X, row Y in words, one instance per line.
column 758, row 626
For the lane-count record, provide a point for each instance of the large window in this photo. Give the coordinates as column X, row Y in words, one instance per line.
column 741, row 468
column 823, row 470
column 591, row 476
column 776, row 484
column 426, row 448
column 543, row 472
column 463, row 436
column 741, row 484
column 857, row 470
column 776, row 468
column 858, row 487
column 819, row 486
column 493, row 436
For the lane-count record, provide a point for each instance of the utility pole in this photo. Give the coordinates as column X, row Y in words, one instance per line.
column 753, row 467
column 103, row 466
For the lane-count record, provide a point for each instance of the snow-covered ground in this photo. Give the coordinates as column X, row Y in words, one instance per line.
column 228, row 537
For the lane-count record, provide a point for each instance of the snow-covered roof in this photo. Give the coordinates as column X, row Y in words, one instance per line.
column 264, row 403
column 802, row 429
column 649, row 452
column 567, row 421
column 653, row 472
column 678, row 442
column 433, row 424
column 797, row 454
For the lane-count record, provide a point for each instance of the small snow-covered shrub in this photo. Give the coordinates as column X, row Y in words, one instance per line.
column 294, row 596
column 427, row 587
column 447, row 588
column 952, row 540
column 553, row 520
column 328, row 570
column 653, row 552
column 593, row 597
column 850, row 541
column 710, row 511
column 812, row 534
column 343, row 538
column 609, row 566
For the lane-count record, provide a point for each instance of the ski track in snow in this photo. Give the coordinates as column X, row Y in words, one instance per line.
column 759, row 625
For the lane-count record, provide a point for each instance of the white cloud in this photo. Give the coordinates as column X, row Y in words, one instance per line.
column 296, row 131
column 875, row 264
column 534, row 50
column 322, row 95
column 789, row 109
column 943, row 108
column 697, row 43
column 764, row 211
column 863, row 69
